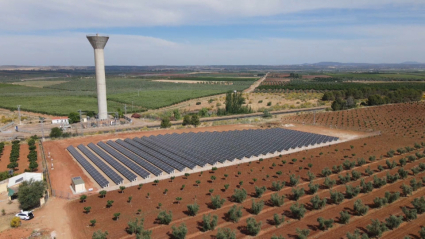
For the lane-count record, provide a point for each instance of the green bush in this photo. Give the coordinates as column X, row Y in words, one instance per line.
column 303, row 233
column 393, row 222
column 336, row 197
column 311, row 176
column 253, row 227
column 277, row 200
column 351, row 191
column 360, row 208
column 209, row 223
column 344, row 217
column 376, row 228
column 410, row 214
column 164, row 217
column 225, row 233
column 277, row 186
column 234, row 214
column 259, row 191
column 217, row 202
column 326, row 172
column 318, row 203
column 298, row 192
column 329, row 183
column 278, row 220
column 325, row 224
column 419, row 204
column 100, row 235
column 257, row 207
column 239, row 195
column 293, row 180
column 298, row 211
column 193, row 209
column 179, row 232
column 29, row 193
column 313, row 187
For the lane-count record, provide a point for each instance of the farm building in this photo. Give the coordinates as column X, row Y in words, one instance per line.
column 60, row 120
column 14, row 182
column 78, row 185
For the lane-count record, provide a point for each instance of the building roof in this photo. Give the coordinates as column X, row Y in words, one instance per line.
column 77, row 180
column 58, row 118
column 24, row 177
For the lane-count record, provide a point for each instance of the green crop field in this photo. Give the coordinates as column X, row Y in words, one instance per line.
column 381, row 76
column 75, row 94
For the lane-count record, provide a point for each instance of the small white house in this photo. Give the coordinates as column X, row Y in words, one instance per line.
column 78, row 185
column 60, row 120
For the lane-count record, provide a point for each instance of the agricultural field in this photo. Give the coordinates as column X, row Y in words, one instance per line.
column 62, row 96
column 362, row 180
column 413, row 76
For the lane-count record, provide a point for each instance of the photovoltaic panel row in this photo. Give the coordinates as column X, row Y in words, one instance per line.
column 154, row 161
column 166, row 153
column 117, row 179
column 88, row 167
column 127, row 162
column 155, row 144
column 142, row 162
column 156, row 154
column 121, row 169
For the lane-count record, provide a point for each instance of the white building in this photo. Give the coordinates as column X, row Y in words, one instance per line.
column 60, row 120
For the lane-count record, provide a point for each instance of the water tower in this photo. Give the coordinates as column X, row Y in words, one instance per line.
column 98, row 43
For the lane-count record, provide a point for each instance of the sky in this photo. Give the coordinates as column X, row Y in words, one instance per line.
column 212, row 32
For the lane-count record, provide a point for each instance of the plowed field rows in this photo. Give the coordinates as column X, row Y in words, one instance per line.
column 401, row 125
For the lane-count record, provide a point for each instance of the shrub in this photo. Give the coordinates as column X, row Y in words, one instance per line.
column 311, row 176
column 380, row 168
column 390, row 153
column 329, row 183
column 278, row 185
column 209, row 223
column 257, row 207
column 336, row 197
column 415, row 184
column 117, row 215
column 419, row 204
column 344, row 217
column 361, row 161
column 100, row 235
column 392, row 197
column 259, row 191
column 380, row 202
column 366, row 187
column 225, row 233
column 376, row 228
column 165, row 122
column 239, row 195
column 102, row 193
column 318, row 203
column 193, row 209
column 303, row 233
column 278, row 220
column 313, row 187
column 137, row 227
column 378, row 182
column 93, row 222
column 416, row 170
column 217, row 202
column 234, row 214
column 109, row 203
column 253, row 227
column 422, row 232
column 83, row 198
column 347, row 164
column 344, row 179
column 402, row 162
column 393, row 222
column 356, row 235
column 372, row 158
column 298, row 192
column 293, row 180
column 403, row 173
column 179, row 232
column 87, row 209
column 407, row 190
column 297, row 211
column 356, row 175
column 409, row 214
column 164, row 217
column 15, row 222
column 226, row 186
column 368, row 171
column 326, row 172
column 360, row 208
column 392, row 178
column 391, row 165
column 277, row 200
column 351, row 191
column 325, row 224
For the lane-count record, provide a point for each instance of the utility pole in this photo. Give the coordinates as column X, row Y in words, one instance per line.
column 81, row 123
column 19, row 113
column 42, row 128
column 125, row 108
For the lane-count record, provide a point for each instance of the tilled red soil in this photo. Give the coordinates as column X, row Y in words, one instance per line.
column 401, row 125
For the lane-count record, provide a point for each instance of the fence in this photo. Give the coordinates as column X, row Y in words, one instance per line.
column 7, row 126
column 45, row 167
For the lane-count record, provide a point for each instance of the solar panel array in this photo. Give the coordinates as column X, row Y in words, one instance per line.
column 170, row 152
column 88, row 167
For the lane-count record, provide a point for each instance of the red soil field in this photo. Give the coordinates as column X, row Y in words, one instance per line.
column 23, row 160
column 400, row 125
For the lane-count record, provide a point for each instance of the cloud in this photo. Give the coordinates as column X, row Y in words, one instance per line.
column 29, row 15
column 382, row 44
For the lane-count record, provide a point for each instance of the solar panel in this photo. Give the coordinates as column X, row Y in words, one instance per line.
column 127, row 162
column 117, row 179
column 155, row 171
column 88, row 167
column 120, row 168
column 161, row 165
